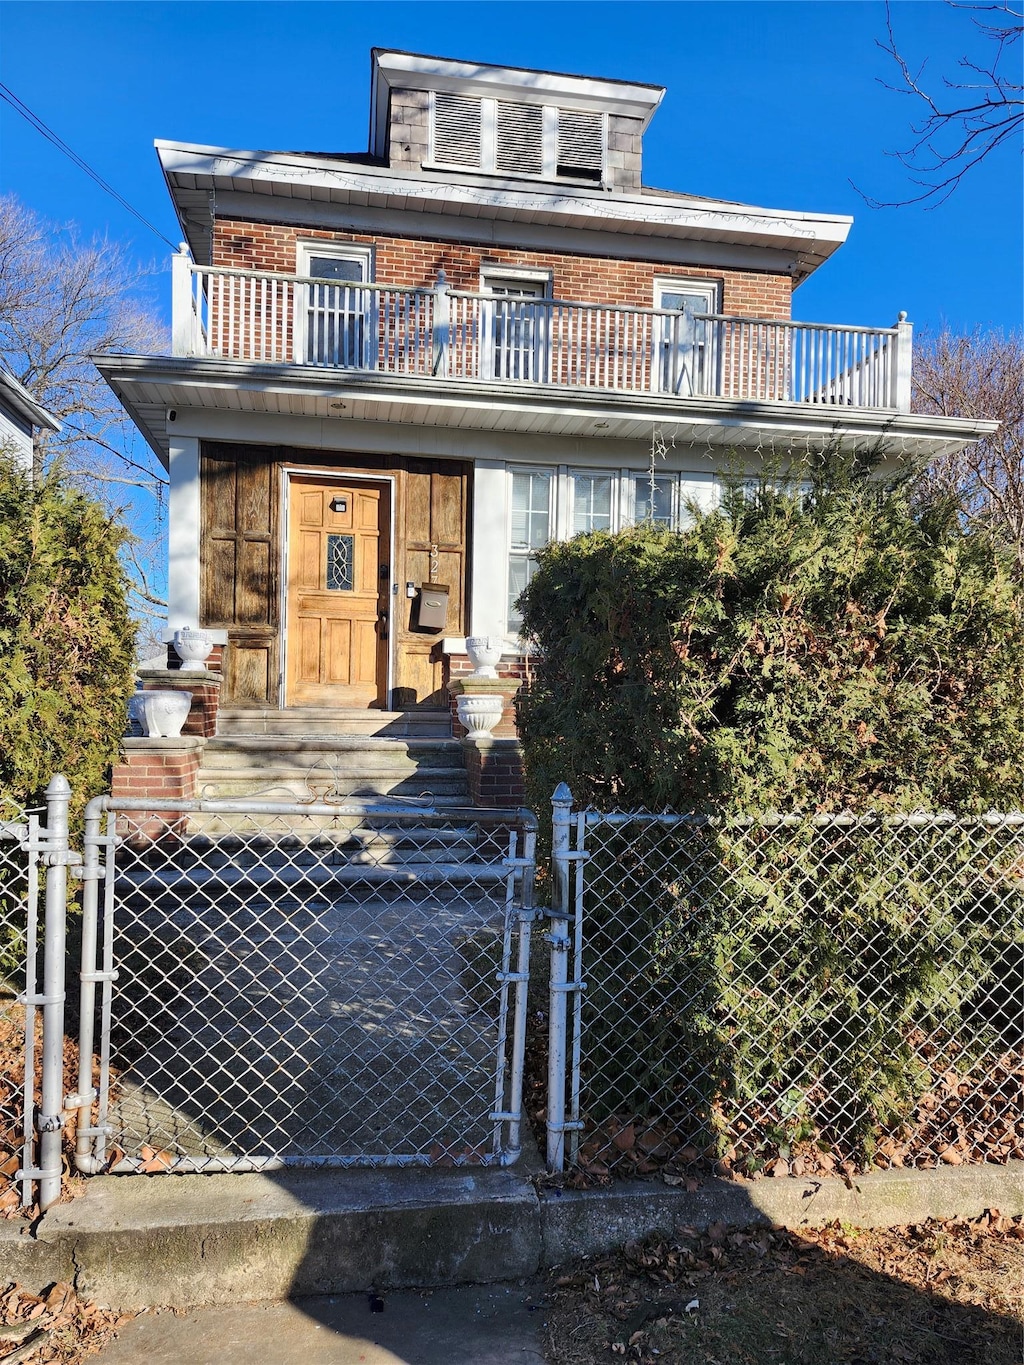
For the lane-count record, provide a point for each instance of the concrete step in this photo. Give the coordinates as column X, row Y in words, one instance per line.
column 346, row 754
column 287, row 784
column 320, row 721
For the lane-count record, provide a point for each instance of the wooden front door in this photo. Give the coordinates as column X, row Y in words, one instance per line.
column 339, row 592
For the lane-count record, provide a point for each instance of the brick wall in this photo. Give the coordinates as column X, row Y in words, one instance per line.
column 411, row 261
column 494, row 772
column 167, row 769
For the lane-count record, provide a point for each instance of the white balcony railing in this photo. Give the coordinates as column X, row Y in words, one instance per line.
column 291, row 319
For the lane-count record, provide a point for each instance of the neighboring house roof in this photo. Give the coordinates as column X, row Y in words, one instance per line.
column 199, row 177
column 15, row 397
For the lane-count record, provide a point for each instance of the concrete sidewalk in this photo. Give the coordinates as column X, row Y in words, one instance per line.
column 472, row 1325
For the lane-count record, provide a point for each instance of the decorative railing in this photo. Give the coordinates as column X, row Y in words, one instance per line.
column 293, row 319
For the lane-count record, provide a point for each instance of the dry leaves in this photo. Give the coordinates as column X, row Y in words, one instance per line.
column 938, row 1293
column 53, row 1326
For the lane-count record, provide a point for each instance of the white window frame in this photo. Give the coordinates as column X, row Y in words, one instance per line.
column 537, row 354
column 675, row 374
column 632, row 477
column 349, row 251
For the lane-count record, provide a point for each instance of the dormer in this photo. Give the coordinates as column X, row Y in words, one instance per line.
column 431, row 113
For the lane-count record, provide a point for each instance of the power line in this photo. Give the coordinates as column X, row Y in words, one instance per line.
column 20, row 107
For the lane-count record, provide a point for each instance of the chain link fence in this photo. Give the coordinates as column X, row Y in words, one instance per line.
column 19, row 878
column 778, row 995
column 271, row 983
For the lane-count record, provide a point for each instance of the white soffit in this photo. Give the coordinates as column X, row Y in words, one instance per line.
column 195, row 174
column 150, row 386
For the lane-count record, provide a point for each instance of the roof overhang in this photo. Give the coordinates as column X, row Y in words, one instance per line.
column 151, row 386
column 196, row 175
column 392, row 70
column 15, row 396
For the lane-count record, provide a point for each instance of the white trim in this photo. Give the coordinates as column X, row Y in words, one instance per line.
column 184, row 532
column 326, row 473
column 493, row 272
column 683, row 284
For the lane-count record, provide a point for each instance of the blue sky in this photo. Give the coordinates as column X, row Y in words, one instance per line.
column 772, row 103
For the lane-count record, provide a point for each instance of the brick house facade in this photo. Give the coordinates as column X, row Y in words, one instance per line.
column 396, row 374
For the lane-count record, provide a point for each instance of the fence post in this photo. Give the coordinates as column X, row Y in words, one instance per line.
column 182, row 324
column 50, row 1120
column 442, row 325
column 558, row 937
column 902, row 365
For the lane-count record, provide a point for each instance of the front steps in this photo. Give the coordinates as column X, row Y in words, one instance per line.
column 334, row 769
column 320, row 722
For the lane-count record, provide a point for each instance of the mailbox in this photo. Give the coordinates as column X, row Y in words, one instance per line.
column 433, row 606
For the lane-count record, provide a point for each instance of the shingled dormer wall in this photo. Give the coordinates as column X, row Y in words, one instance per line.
column 408, row 129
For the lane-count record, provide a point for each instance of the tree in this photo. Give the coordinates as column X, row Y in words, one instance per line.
column 964, row 121
column 62, row 300
column 980, row 375
column 66, row 638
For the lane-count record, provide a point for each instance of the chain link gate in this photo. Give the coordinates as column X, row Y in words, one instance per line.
column 273, row 984
column 32, row 983
column 837, row 990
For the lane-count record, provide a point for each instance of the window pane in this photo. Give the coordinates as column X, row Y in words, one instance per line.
column 592, row 502
column 521, row 569
column 335, row 268
column 531, row 509
column 657, row 509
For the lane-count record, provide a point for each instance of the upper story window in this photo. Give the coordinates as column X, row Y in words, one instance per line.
column 516, row 137
column 333, row 323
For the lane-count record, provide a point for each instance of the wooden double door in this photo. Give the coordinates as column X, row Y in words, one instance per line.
column 307, row 638
column 338, row 592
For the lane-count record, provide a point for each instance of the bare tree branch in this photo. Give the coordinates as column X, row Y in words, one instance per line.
column 61, row 300
column 980, row 375
column 965, row 121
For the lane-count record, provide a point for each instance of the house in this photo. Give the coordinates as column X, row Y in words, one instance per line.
column 396, row 374
column 21, row 417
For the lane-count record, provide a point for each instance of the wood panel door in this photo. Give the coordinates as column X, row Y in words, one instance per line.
column 339, row 587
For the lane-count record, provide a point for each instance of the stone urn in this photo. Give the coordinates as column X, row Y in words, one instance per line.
column 193, row 647
column 479, row 713
column 485, row 654
column 161, row 713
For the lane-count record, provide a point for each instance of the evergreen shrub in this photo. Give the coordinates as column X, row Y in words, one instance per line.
column 800, row 650
column 66, row 639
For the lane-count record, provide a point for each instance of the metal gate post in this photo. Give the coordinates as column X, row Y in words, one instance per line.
column 50, row 1121
column 558, row 938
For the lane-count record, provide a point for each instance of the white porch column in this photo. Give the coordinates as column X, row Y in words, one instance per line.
column 489, row 551
column 183, row 534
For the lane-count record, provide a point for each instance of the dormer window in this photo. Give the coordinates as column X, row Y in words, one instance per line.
column 516, row 137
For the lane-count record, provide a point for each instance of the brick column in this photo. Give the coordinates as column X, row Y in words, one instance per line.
column 494, row 771
column 164, row 768
column 204, row 685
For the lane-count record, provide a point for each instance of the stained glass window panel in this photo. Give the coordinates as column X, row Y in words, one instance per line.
column 340, row 557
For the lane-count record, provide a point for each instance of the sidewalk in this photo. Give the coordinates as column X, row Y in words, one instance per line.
column 471, row 1325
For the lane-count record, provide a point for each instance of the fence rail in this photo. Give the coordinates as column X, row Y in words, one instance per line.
column 817, row 993
column 292, row 319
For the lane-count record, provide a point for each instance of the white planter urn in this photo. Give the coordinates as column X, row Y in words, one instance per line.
column 161, row 713
column 479, row 713
column 193, row 647
column 484, row 654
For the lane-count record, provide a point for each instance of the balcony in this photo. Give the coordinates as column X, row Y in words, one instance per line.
column 441, row 333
